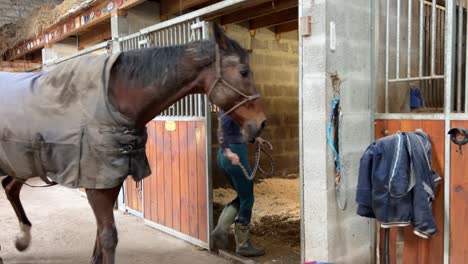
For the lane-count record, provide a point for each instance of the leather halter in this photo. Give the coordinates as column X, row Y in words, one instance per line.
column 220, row 79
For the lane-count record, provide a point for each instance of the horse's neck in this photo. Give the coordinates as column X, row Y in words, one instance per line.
column 144, row 83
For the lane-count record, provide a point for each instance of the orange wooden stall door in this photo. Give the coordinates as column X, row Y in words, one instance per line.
column 459, row 201
column 177, row 188
column 418, row 250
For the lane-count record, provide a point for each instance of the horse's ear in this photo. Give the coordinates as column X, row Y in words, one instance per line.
column 221, row 39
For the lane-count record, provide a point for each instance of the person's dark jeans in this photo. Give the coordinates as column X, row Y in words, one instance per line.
column 245, row 196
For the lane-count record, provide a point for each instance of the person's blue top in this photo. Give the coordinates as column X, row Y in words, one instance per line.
column 232, row 131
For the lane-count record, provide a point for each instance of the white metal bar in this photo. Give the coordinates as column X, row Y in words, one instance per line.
column 184, row 41
column 387, row 54
column 449, row 59
column 199, row 105
column 438, row 6
column 459, row 54
column 142, row 198
column 301, row 127
column 466, row 67
column 159, row 39
column 191, row 105
column 410, row 16
column 209, row 156
column 177, row 234
column 37, row 67
column 375, row 36
column 81, row 53
column 177, row 35
column 397, row 73
column 410, row 116
column 459, row 116
column 417, row 78
column 421, row 36
column 433, row 35
column 134, row 212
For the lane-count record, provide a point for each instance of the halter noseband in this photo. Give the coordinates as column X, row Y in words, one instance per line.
column 220, row 79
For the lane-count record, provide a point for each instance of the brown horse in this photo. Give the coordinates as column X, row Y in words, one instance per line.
column 142, row 84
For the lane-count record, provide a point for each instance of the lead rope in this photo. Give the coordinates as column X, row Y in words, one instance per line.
column 259, row 149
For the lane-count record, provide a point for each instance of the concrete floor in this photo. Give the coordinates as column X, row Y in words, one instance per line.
column 64, row 232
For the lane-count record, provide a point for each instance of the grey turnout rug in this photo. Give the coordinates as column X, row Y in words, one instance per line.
column 60, row 124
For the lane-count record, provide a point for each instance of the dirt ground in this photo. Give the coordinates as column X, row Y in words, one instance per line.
column 275, row 219
column 64, row 231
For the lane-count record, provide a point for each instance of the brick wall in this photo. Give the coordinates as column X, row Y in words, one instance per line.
column 274, row 61
column 16, row 66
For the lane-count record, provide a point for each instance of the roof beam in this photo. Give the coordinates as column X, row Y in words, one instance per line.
column 286, row 27
column 257, row 11
column 274, row 19
column 171, row 7
column 131, row 3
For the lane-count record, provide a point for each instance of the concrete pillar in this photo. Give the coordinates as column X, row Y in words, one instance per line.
column 64, row 48
column 119, row 28
column 48, row 56
column 329, row 233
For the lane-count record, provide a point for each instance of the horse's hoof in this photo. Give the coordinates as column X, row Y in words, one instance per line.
column 24, row 238
column 20, row 246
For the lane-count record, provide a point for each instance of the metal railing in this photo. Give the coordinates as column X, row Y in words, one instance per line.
column 428, row 67
column 460, row 102
column 191, row 106
column 104, row 47
column 34, row 68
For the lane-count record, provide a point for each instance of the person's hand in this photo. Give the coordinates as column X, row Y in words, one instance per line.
column 233, row 157
column 260, row 140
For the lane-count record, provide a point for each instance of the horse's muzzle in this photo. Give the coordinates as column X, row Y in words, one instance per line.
column 254, row 130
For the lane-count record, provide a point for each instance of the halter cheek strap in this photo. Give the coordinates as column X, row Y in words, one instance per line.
column 220, row 79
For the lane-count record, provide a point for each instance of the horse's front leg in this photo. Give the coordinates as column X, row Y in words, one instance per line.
column 102, row 202
column 97, row 252
column 12, row 189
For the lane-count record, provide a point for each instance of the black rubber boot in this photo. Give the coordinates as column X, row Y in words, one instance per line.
column 244, row 245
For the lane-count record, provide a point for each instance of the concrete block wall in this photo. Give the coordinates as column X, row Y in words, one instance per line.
column 143, row 15
column 274, row 62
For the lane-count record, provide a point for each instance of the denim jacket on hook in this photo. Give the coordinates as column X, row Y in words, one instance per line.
column 397, row 183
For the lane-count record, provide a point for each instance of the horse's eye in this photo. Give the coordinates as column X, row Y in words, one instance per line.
column 244, row 73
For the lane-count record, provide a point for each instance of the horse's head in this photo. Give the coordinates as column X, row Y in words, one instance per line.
column 233, row 88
